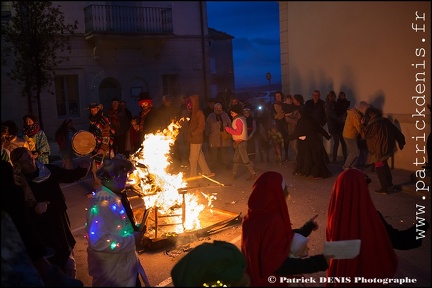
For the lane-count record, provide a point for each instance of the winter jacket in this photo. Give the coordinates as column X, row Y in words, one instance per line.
column 195, row 133
column 381, row 136
column 352, row 127
column 215, row 130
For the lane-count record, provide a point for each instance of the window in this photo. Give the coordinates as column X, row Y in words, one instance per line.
column 170, row 83
column 135, row 92
column 67, row 98
column 5, row 12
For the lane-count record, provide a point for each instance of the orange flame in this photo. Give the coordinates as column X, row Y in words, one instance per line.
column 161, row 188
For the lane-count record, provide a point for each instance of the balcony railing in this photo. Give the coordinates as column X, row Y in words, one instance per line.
column 106, row 19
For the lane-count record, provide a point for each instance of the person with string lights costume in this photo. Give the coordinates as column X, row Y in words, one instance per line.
column 112, row 233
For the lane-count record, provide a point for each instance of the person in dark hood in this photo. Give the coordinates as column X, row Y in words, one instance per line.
column 46, row 203
column 195, row 137
column 23, row 251
column 312, row 157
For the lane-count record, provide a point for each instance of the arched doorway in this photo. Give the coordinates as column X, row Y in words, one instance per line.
column 108, row 89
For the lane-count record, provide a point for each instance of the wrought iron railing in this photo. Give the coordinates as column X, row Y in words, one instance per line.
column 106, row 19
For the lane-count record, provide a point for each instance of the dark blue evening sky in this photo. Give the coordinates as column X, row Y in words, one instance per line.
column 256, row 44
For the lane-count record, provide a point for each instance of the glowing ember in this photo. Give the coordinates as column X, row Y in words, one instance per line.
column 159, row 187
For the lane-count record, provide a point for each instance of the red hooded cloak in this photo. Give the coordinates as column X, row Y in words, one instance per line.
column 267, row 233
column 352, row 215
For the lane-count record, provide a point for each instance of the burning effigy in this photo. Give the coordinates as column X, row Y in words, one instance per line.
column 168, row 200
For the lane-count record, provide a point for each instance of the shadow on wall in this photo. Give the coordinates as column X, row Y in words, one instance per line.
column 305, row 85
column 378, row 100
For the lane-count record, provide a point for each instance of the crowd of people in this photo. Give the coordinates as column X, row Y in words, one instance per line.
column 291, row 128
column 288, row 129
column 207, row 139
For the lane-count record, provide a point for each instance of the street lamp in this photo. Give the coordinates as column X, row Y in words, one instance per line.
column 268, row 76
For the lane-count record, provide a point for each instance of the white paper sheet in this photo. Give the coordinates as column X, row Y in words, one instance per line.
column 346, row 249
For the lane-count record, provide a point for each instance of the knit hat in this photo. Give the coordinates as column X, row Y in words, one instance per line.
column 209, row 263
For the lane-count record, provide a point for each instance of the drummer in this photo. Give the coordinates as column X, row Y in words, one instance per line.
column 101, row 128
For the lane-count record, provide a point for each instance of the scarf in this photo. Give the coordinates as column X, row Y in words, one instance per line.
column 219, row 119
column 31, row 130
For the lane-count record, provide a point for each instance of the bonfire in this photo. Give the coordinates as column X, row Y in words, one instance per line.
column 162, row 191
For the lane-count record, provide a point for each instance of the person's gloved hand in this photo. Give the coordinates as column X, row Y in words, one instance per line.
column 41, row 207
column 313, row 223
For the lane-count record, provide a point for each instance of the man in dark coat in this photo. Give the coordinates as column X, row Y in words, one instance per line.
column 166, row 112
column 381, row 136
column 23, row 251
column 101, row 128
column 120, row 121
column 148, row 116
column 47, row 204
column 316, row 107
